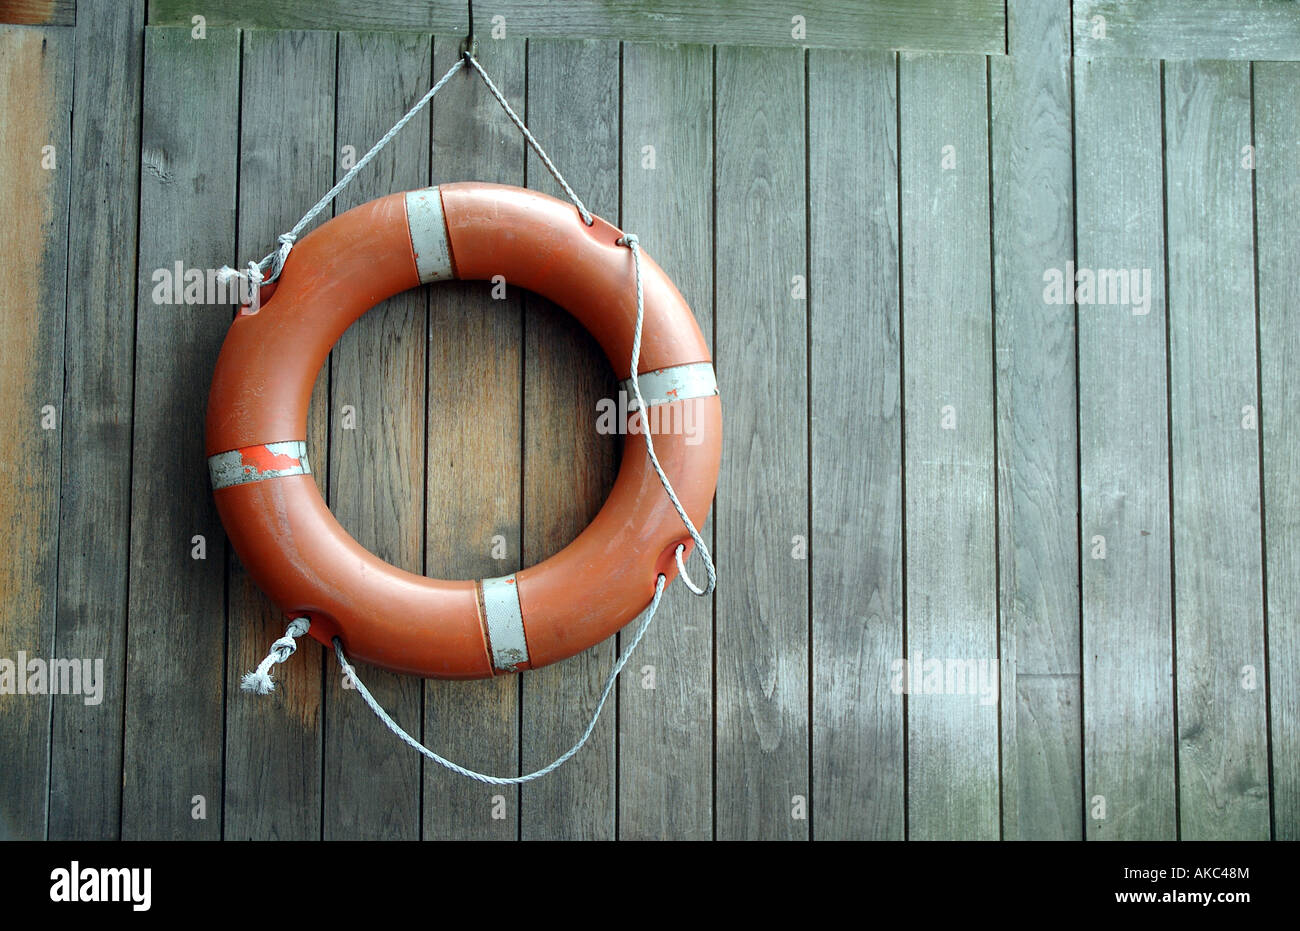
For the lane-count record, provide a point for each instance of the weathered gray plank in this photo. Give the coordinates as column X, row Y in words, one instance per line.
column 377, row 455
column 39, row 12
column 1218, row 601
column 957, row 25
column 857, row 509
column 1033, row 229
column 665, row 732
column 1277, row 191
column 1129, row 790
column 94, row 518
column 175, row 641
column 949, row 449
column 761, row 732
column 1242, row 29
column 573, row 106
column 287, row 158
column 473, row 527
column 36, row 69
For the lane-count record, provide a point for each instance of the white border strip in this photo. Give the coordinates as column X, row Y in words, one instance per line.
column 505, row 622
column 679, row 383
column 428, row 231
column 236, row 467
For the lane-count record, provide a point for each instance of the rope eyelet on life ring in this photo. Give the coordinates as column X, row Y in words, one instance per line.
column 303, row 559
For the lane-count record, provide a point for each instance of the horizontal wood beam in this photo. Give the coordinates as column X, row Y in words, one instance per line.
column 1227, row 29
column 39, row 12
column 951, row 25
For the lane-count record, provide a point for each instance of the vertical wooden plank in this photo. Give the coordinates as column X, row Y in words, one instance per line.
column 94, row 517
column 1277, row 191
column 377, row 455
column 1218, row 598
column 761, row 729
column 951, row 644
column 175, row 643
column 1033, row 228
column 273, row 742
column 573, row 104
column 1128, row 698
column 36, row 69
column 472, row 528
column 665, row 732
column 857, row 590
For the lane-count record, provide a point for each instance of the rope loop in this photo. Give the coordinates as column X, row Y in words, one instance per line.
column 269, row 269
column 350, row 671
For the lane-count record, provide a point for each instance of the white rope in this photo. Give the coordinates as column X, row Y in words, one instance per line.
column 532, row 141
column 351, row 673
column 259, row 680
column 269, row 268
column 630, row 240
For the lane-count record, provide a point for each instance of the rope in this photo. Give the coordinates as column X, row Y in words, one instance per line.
column 269, row 268
column 350, row 672
column 259, row 680
column 630, row 240
column 532, row 141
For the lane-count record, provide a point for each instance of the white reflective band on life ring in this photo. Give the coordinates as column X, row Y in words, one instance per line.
column 429, row 235
column 255, row 463
column 505, row 622
column 679, row 383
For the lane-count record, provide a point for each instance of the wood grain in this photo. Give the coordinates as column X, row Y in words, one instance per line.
column 857, row 508
column 1277, row 191
column 39, row 12
column 36, row 68
column 957, row 25
column 1128, row 691
column 474, row 512
column 1233, row 29
column 1218, row 599
column 175, row 641
column 949, row 448
column 761, row 729
column 573, row 108
column 1038, row 557
column 665, row 733
column 95, row 486
column 377, row 369
column 287, row 158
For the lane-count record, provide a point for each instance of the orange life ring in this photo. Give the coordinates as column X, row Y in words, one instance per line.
column 307, row 563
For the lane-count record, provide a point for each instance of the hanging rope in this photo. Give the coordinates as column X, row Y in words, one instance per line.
column 630, row 240
column 269, row 268
column 260, row 680
column 555, row 764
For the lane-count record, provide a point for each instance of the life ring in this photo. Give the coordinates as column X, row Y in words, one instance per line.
column 304, row 560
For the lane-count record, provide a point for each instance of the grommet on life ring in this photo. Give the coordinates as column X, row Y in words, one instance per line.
column 303, row 559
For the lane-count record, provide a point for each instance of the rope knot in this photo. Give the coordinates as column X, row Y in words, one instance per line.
column 629, row 240
column 259, row 681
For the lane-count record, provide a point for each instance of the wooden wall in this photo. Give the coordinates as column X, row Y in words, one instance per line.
column 926, row 457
